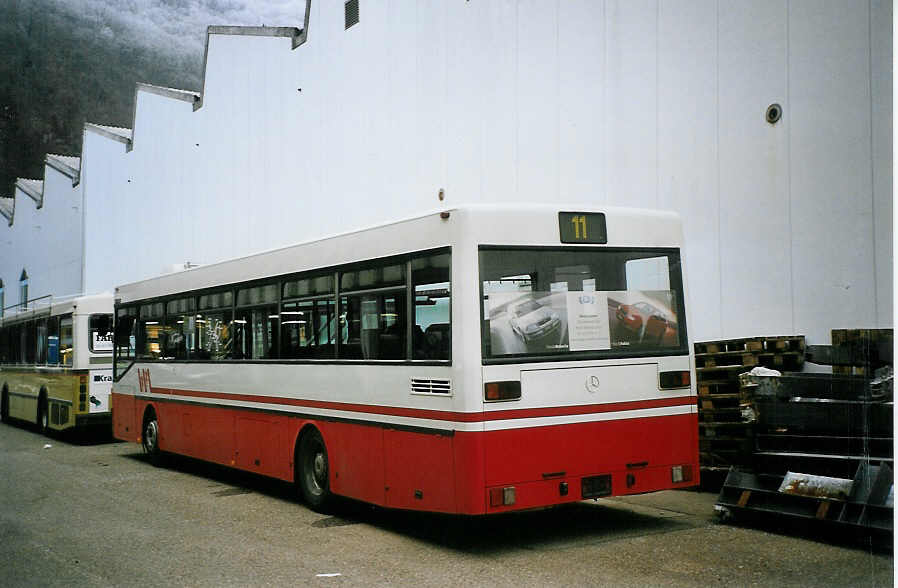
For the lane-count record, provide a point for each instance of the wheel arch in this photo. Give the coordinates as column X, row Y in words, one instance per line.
column 42, row 401
column 304, row 430
column 148, row 411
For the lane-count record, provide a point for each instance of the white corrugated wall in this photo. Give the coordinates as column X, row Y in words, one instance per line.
column 654, row 104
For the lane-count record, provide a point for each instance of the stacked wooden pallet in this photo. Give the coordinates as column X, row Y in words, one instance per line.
column 725, row 407
column 870, row 348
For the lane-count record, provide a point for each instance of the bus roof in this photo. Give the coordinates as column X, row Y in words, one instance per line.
column 495, row 224
column 59, row 305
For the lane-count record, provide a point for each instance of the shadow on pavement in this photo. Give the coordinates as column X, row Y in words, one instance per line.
column 581, row 522
column 89, row 435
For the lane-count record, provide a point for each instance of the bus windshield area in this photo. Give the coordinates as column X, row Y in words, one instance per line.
column 578, row 302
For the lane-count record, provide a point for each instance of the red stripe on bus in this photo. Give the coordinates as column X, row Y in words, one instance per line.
column 588, row 408
column 441, row 415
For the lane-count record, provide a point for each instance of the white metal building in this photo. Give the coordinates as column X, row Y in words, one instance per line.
column 41, row 241
column 304, row 132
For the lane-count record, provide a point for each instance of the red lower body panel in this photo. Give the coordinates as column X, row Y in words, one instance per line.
column 637, row 453
column 123, row 417
column 436, row 471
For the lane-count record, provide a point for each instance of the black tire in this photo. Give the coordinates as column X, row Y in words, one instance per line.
column 43, row 416
column 312, row 472
column 149, row 438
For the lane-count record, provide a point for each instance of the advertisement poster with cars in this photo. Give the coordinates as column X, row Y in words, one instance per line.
column 561, row 320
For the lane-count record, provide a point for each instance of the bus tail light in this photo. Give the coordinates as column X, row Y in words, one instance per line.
column 678, row 379
column 502, row 496
column 495, row 391
column 82, row 393
column 681, row 473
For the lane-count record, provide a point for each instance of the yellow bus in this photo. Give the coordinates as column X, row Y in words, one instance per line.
column 56, row 363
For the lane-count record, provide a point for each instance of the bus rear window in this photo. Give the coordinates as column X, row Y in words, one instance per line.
column 568, row 303
column 100, row 329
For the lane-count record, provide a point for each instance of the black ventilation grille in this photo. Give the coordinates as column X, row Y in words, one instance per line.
column 431, row 386
column 351, row 12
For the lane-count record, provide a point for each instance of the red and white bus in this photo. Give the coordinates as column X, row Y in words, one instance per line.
column 474, row 361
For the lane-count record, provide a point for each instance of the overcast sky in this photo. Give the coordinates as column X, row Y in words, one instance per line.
column 179, row 25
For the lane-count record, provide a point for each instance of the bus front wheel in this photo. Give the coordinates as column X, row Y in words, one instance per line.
column 312, row 470
column 150, row 438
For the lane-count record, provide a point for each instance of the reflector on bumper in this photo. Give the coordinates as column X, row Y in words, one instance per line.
column 681, row 473
column 502, row 496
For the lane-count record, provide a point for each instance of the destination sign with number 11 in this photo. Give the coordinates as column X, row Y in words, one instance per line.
column 582, row 227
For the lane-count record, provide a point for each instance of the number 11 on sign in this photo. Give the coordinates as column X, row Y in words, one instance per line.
column 579, row 223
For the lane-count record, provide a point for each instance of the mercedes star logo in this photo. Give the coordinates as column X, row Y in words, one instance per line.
column 592, row 384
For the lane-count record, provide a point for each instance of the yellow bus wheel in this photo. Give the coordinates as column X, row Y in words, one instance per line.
column 43, row 415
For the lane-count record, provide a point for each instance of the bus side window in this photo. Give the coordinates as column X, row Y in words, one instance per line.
column 149, row 331
column 180, row 327
column 29, row 341
column 373, row 326
column 215, row 325
column 256, row 328
column 5, row 345
column 373, row 320
column 431, row 333
column 308, row 329
column 16, row 353
column 41, row 342
column 53, row 340
column 214, row 335
column 65, row 340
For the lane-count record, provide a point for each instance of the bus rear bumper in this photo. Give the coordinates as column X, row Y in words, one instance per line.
column 562, row 490
column 93, row 419
column 544, row 466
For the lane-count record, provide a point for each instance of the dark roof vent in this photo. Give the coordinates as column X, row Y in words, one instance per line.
column 351, row 12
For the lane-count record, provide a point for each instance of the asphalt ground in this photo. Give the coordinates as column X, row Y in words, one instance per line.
column 92, row 512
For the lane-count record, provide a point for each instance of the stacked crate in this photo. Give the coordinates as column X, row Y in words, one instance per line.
column 824, row 455
column 725, row 407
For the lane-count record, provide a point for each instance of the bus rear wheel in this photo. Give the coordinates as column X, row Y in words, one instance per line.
column 312, row 471
column 43, row 416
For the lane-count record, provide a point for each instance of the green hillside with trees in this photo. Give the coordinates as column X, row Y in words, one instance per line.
column 58, row 72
